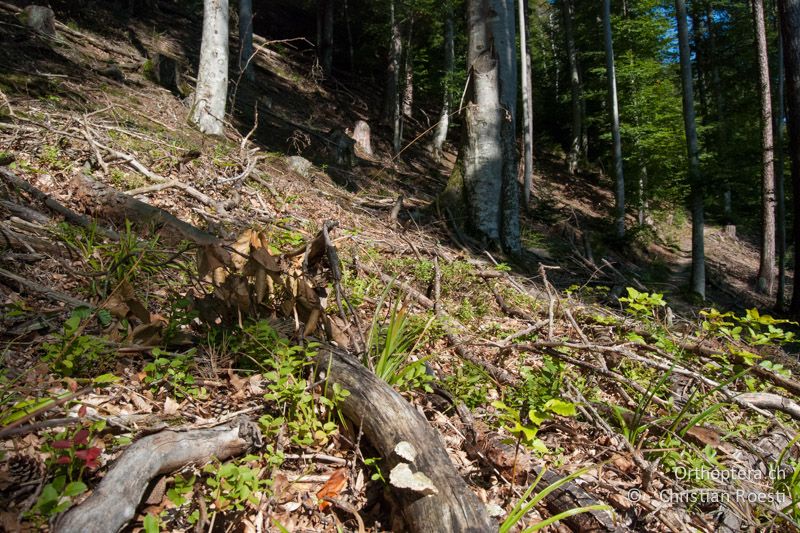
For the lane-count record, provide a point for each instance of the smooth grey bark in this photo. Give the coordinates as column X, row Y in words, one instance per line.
column 326, row 38
column 489, row 153
column 698, row 276
column 576, row 88
column 780, row 214
column 440, row 134
column 766, row 272
column 391, row 107
column 246, row 39
column 790, row 33
column 527, row 106
column 208, row 110
column 619, row 188
column 408, row 73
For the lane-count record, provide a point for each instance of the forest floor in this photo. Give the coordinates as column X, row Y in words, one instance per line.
column 119, row 322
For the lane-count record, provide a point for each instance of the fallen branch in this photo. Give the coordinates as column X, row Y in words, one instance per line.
column 773, row 402
column 52, row 204
column 391, row 420
column 44, row 291
column 113, row 503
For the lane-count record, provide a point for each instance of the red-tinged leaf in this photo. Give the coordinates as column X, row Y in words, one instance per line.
column 64, row 460
column 62, row 444
column 89, row 454
column 82, row 411
column 331, row 489
column 92, row 465
column 72, row 385
column 81, row 436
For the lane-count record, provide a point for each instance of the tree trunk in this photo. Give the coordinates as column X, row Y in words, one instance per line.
column 440, row 134
column 790, row 32
column 246, row 39
column 698, row 277
column 350, row 52
column 487, row 174
column 408, row 73
column 326, row 35
column 720, row 108
column 208, row 110
column 576, row 86
column 527, row 106
column 391, row 107
column 780, row 223
column 766, row 271
column 619, row 189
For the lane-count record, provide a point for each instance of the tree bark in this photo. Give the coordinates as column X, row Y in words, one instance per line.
column 326, row 38
column 576, row 88
column 391, row 107
column 766, row 271
column 780, row 223
column 391, row 420
column 246, row 39
column 113, row 503
column 790, row 32
column 619, row 189
column 440, row 134
column 408, row 73
column 527, row 106
column 208, row 110
column 698, row 276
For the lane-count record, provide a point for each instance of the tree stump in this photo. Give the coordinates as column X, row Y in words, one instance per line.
column 362, row 137
column 40, row 19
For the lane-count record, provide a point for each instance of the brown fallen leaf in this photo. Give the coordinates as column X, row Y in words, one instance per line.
column 332, row 488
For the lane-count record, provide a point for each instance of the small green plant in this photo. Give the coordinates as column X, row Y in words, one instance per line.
column 234, row 487
column 753, row 327
column 391, row 345
column 643, row 305
column 524, row 423
column 74, row 353
column 528, row 501
column 374, row 462
column 56, row 497
column 181, row 488
column 174, row 374
column 309, row 420
column 469, row 383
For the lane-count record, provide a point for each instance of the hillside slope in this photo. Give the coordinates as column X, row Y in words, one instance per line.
column 518, row 367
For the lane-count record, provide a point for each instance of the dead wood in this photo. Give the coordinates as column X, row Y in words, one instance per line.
column 44, row 291
column 772, row 402
column 113, row 503
column 114, row 204
column 52, row 204
column 387, row 419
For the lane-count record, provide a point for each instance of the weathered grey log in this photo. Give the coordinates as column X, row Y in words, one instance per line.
column 113, row 503
column 387, row 419
column 114, row 204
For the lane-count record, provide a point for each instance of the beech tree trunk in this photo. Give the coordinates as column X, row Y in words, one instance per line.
column 440, row 134
column 576, row 88
column 391, row 107
column 766, row 271
column 208, row 110
column 698, row 277
column 790, row 33
column 619, row 189
column 527, row 106
column 246, row 39
column 408, row 73
column 486, row 176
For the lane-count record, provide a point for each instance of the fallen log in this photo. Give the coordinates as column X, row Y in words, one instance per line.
column 386, row 420
column 113, row 503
